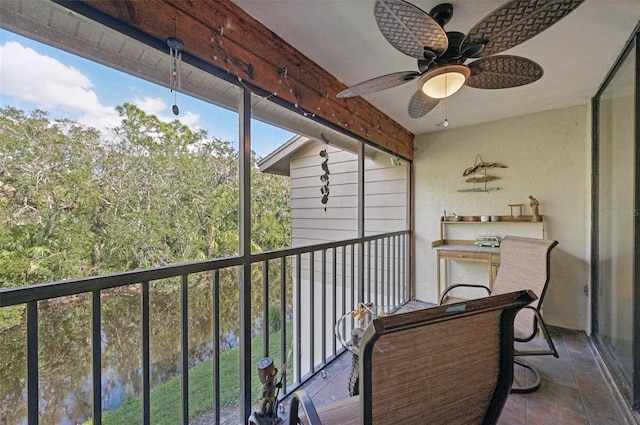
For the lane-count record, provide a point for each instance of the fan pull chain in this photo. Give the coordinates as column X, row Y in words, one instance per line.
column 443, row 123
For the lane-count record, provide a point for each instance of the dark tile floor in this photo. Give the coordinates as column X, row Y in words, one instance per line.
column 575, row 388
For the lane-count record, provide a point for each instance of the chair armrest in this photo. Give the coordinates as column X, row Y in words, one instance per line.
column 546, row 337
column 464, row 285
column 302, row 399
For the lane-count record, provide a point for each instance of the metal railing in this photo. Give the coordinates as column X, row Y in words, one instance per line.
column 317, row 285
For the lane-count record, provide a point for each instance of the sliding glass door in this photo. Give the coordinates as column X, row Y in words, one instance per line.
column 616, row 289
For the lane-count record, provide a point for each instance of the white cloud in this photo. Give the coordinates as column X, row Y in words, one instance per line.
column 65, row 88
column 158, row 107
column 152, row 106
column 48, row 84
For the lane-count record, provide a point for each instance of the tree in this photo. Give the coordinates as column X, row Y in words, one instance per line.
column 45, row 226
column 77, row 202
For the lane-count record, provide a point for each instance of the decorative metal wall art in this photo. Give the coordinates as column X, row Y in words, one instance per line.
column 478, row 174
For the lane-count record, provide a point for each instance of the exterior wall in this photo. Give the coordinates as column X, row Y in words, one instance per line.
column 310, row 223
column 385, row 196
column 548, row 157
column 385, row 211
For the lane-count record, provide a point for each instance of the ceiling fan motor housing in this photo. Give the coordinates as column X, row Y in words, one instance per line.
column 442, row 13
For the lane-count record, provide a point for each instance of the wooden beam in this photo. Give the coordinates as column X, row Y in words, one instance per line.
column 220, row 33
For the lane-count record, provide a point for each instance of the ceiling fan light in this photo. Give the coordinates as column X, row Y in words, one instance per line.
column 444, row 81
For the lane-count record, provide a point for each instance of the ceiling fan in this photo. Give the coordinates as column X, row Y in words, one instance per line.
column 442, row 55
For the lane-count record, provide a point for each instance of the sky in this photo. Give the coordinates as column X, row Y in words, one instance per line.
column 36, row 76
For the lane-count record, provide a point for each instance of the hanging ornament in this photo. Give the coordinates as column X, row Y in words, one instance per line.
column 324, row 178
column 175, row 51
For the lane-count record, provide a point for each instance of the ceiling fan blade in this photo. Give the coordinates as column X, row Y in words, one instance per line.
column 420, row 104
column 379, row 83
column 409, row 29
column 502, row 72
column 513, row 23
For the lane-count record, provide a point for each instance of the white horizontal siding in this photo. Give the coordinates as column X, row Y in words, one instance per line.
column 385, row 187
column 347, row 213
column 313, row 180
column 338, row 162
column 385, row 196
column 336, row 191
column 383, row 200
column 385, row 211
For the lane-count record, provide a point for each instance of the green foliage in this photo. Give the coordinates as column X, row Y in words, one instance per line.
column 11, row 316
column 45, row 197
column 165, row 398
column 275, row 318
column 75, row 202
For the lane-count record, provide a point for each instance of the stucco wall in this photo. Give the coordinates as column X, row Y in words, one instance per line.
column 548, row 156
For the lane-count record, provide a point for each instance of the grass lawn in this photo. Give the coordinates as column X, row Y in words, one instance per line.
column 166, row 397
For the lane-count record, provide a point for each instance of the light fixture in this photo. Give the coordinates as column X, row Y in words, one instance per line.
column 444, row 81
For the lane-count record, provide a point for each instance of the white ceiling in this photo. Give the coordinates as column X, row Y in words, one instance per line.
column 342, row 37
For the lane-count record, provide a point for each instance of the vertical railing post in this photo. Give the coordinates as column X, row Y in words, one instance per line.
column 344, row 283
column 391, row 301
column 298, row 307
column 382, row 280
column 184, row 322
column 335, row 296
column 406, row 249
column 361, row 218
column 396, row 292
column 375, row 274
column 283, row 320
column 368, row 297
column 245, row 252
column 354, row 302
column 146, row 363
column 32, row 363
column 405, row 268
column 312, row 309
column 215, row 338
column 344, row 279
column 324, row 305
column 265, row 308
column 96, row 357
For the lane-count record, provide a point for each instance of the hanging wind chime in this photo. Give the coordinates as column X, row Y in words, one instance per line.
column 324, row 178
column 175, row 51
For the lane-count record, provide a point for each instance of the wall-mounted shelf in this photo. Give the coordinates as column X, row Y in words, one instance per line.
column 460, row 246
column 445, row 221
column 502, row 219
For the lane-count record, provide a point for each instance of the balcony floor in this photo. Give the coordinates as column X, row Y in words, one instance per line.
column 575, row 389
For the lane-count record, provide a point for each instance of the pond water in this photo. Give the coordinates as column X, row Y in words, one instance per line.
column 65, row 350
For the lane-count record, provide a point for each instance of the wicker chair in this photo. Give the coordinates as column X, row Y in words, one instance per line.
column 524, row 265
column 444, row 365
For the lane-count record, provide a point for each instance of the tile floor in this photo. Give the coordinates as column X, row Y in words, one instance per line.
column 575, row 388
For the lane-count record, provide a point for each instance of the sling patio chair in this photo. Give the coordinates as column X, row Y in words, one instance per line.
column 449, row 364
column 524, row 265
